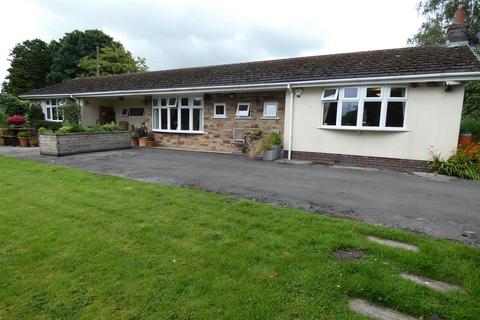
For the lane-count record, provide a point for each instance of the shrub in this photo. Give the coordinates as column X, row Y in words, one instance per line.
column 109, row 127
column 16, row 120
column 11, row 105
column 71, row 112
column 3, row 119
column 72, row 128
column 43, row 130
column 471, row 125
column 465, row 163
column 34, row 115
column 51, row 125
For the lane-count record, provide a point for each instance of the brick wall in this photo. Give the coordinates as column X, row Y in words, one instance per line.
column 362, row 161
column 218, row 133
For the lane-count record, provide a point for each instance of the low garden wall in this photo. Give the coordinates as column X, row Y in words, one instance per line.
column 53, row 144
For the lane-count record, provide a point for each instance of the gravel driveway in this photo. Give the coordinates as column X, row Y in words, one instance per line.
column 439, row 206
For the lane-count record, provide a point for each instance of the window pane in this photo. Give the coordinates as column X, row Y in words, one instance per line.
column 163, row 102
column 330, row 94
column 60, row 113
column 371, row 114
column 155, row 116
column 330, row 113
column 48, row 102
column 196, row 119
column 397, row 92
column 219, row 110
column 54, row 114
column 184, row 102
column 155, row 102
column 349, row 113
column 173, row 118
column 197, row 102
column 243, row 110
column 350, row 93
column 136, row 112
column 270, row 110
column 49, row 113
column 54, row 102
column 125, row 112
column 395, row 114
column 185, row 119
column 164, row 118
column 374, row 92
column 172, row 102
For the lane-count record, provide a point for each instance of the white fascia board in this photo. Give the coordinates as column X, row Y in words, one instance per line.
column 460, row 76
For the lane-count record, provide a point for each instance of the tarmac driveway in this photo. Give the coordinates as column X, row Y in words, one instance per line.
column 438, row 206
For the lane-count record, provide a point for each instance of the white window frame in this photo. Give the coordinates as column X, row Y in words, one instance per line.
column 130, row 114
column 330, row 98
column 219, row 116
column 249, row 110
column 265, row 109
column 362, row 98
column 191, row 107
column 125, row 114
column 49, row 106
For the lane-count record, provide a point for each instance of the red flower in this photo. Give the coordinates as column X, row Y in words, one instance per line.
column 16, row 119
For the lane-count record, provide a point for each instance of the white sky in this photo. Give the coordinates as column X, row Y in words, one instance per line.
column 181, row 33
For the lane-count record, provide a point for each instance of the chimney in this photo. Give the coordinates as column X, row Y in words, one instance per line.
column 457, row 34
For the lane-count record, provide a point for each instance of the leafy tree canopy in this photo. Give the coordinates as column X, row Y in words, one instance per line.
column 70, row 49
column 29, row 65
column 439, row 15
column 112, row 60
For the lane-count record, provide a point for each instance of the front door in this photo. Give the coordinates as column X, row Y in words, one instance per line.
column 107, row 115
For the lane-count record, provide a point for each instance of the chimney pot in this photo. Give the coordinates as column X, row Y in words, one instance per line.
column 459, row 16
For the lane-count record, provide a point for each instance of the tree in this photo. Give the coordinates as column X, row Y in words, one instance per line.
column 29, row 65
column 112, row 60
column 70, row 49
column 439, row 14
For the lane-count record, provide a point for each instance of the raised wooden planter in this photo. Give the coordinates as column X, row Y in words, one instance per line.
column 54, row 144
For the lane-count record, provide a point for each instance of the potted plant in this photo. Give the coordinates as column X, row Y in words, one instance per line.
column 33, row 141
column 142, row 134
column 271, row 146
column 150, row 140
column 134, row 139
column 23, row 137
column 465, row 137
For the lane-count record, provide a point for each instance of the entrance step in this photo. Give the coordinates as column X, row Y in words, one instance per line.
column 432, row 284
column 376, row 312
column 393, row 244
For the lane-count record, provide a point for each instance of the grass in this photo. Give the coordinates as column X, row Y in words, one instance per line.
column 77, row 245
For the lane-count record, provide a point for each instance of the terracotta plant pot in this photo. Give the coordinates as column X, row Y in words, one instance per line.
column 33, row 141
column 23, row 142
column 134, row 141
column 150, row 143
column 142, row 142
column 464, row 139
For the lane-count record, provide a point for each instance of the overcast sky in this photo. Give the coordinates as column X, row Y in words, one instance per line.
column 171, row 34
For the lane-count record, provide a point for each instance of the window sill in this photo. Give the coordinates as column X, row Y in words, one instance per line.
column 219, row 117
column 270, row 118
column 364, row 129
column 179, row 131
column 53, row 120
column 243, row 118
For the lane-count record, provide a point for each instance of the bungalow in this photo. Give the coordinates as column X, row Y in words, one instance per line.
column 385, row 108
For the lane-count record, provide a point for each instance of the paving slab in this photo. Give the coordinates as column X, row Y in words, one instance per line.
column 376, row 312
column 394, row 244
column 432, row 284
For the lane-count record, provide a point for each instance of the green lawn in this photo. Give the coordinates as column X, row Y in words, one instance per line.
column 77, row 245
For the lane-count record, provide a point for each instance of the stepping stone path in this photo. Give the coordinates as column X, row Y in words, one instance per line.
column 432, row 284
column 393, row 244
column 376, row 312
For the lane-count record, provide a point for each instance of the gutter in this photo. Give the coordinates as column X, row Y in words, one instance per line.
column 290, row 125
column 457, row 76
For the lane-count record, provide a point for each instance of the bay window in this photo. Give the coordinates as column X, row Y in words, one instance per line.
column 364, row 108
column 178, row 114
